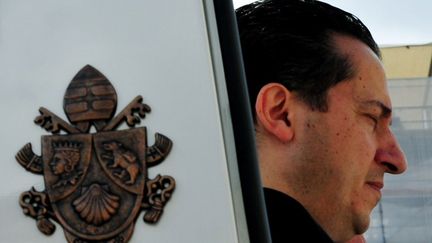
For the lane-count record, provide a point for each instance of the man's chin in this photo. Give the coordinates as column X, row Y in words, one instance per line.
column 361, row 225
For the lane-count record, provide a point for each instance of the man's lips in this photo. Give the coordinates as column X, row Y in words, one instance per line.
column 376, row 185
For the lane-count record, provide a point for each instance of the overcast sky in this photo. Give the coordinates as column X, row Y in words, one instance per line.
column 391, row 22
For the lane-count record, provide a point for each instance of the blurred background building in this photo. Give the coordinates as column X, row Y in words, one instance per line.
column 405, row 211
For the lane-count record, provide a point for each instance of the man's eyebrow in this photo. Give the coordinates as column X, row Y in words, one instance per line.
column 385, row 110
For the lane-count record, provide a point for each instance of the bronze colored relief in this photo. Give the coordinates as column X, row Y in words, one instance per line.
column 96, row 184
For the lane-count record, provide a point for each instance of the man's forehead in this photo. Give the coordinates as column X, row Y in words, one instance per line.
column 369, row 79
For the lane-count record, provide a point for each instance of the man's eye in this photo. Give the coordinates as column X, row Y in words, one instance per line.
column 373, row 119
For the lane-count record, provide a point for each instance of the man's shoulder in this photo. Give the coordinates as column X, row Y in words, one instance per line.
column 289, row 221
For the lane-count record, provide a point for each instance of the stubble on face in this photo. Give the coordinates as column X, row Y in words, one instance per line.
column 331, row 176
column 337, row 148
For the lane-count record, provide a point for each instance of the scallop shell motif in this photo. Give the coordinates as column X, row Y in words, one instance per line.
column 96, row 206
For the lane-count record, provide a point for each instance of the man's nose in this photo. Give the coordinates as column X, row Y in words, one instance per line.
column 390, row 154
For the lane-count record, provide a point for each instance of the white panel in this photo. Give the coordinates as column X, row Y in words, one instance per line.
column 157, row 49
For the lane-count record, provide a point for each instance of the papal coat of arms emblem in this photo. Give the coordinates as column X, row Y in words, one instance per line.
column 96, row 184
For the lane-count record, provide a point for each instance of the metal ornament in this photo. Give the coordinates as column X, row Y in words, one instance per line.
column 96, row 184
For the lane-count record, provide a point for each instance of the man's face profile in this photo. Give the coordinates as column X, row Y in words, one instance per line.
column 59, row 163
column 64, row 161
column 348, row 149
column 332, row 162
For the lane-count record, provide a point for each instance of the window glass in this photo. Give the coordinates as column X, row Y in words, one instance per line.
column 405, row 211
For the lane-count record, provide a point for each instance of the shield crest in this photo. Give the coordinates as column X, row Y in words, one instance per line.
column 121, row 155
column 96, row 184
column 96, row 181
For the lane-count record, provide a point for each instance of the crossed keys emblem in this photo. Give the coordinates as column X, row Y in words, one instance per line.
column 96, row 184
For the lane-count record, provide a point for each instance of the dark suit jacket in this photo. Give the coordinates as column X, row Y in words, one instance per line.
column 290, row 222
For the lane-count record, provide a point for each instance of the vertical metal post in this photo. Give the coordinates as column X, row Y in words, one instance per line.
column 380, row 210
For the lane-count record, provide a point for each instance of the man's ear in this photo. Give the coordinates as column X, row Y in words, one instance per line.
column 273, row 113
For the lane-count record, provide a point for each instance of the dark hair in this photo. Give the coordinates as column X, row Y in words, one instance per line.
column 290, row 42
